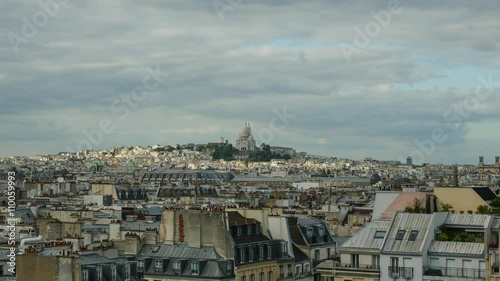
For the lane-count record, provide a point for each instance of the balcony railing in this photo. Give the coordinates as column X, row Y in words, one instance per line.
column 454, row 272
column 405, row 272
column 357, row 266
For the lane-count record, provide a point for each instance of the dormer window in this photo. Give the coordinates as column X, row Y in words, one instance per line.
column 249, row 230
column 269, row 252
column 176, row 265
column 261, row 253
column 140, row 264
column 309, row 231
column 113, row 273
column 239, row 230
column 257, row 229
column 158, row 266
column 127, row 271
column 195, row 268
column 242, row 255
column 321, row 231
column 99, row 274
column 250, row 254
column 284, row 248
column 229, row 266
column 85, row 275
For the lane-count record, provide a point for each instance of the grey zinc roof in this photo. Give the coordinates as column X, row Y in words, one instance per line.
column 364, row 239
column 94, row 259
column 456, row 248
column 407, row 222
column 139, row 225
column 476, row 220
column 179, row 251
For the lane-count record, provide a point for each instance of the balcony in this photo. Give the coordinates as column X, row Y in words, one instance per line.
column 357, row 266
column 470, row 273
column 405, row 272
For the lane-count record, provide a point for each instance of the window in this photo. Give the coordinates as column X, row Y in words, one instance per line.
column 270, row 276
column 257, row 229
column 297, row 270
column 239, row 230
column 321, row 231
column 376, row 262
column 250, row 254
column 158, row 266
column 289, row 269
column 99, row 274
column 413, row 235
column 400, row 234
column 355, row 260
column 85, row 276
column 328, row 253
column 249, row 229
column 177, row 265
column 156, row 249
column 284, row 248
column 261, row 276
column 252, row 277
column 195, row 268
column 394, row 269
column 306, row 268
column 243, row 278
column 261, row 253
column 281, row 271
column 127, row 271
column 309, row 231
column 379, row 234
column 317, row 255
column 113, row 273
column 269, row 252
column 242, row 255
column 229, row 266
column 140, row 264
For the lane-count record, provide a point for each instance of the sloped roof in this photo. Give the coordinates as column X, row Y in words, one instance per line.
column 404, row 199
column 407, row 222
column 179, row 251
column 456, row 248
column 474, row 220
column 485, row 193
column 235, row 218
column 364, row 239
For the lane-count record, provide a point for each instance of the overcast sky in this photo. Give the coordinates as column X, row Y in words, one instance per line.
column 348, row 79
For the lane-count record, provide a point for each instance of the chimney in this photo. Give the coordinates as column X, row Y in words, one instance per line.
column 455, row 176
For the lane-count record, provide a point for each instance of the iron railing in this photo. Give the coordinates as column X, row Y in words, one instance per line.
column 454, row 272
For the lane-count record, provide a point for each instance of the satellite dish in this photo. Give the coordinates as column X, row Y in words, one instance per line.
column 60, row 179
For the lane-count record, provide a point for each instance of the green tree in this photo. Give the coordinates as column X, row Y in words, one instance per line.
column 495, row 202
column 446, row 207
column 484, row 209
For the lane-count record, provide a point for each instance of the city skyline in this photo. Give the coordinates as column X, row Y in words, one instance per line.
column 333, row 79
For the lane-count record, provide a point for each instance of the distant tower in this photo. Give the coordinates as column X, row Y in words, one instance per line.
column 497, row 161
column 409, row 161
column 113, row 158
column 481, row 161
